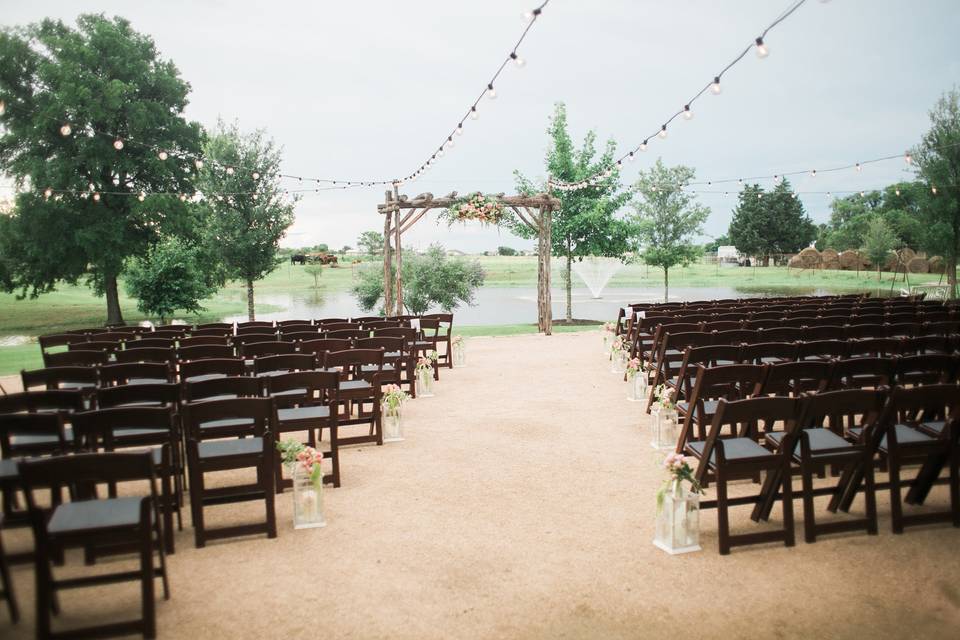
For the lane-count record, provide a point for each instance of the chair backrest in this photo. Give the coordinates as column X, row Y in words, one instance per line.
column 170, row 330
column 860, row 373
column 32, row 434
column 59, row 340
column 212, row 332
column 407, row 333
column 75, row 358
column 250, row 338
column 319, row 347
column 388, row 344
column 928, row 344
column 339, row 326
column 152, row 354
column 44, row 400
column 211, row 367
column 272, row 348
column 59, row 377
column 780, row 334
column 166, row 393
column 294, row 323
column 112, row 375
column 350, row 361
column 875, row 347
column 204, row 352
column 299, row 332
column 373, row 325
column 350, row 334
column 261, row 413
column 841, row 410
column 95, row 429
column 903, row 329
column 225, row 387
column 788, row 378
column 107, row 346
column 928, row 368
column 219, row 326
column 284, row 362
column 323, row 321
column 253, row 324
column 820, row 349
column 304, row 388
column 708, row 356
column 735, row 336
column 767, row 352
column 219, row 339
column 149, row 342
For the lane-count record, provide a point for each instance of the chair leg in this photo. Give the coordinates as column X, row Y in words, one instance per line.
column 146, row 584
column 809, row 513
column 335, row 455
column 870, row 494
column 788, row 532
column 169, row 505
column 46, row 605
column 896, row 506
column 196, row 509
column 7, row 584
column 269, row 495
column 723, row 522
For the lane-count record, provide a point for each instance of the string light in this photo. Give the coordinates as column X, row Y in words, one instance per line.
column 663, row 132
column 762, row 51
column 96, row 197
column 687, row 114
column 118, row 144
column 859, row 168
column 934, row 190
column 517, row 60
column 163, row 155
column 65, row 130
column 229, row 171
column 142, row 196
column 715, row 86
column 474, row 114
column 47, row 193
column 256, row 175
column 491, row 92
column 643, row 146
column 3, row 107
column 908, row 158
column 198, row 164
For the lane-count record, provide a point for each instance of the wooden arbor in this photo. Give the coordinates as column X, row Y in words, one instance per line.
column 400, row 213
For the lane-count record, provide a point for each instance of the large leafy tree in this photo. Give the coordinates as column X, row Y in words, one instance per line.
column 247, row 212
column 898, row 205
column 431, row 279
column 86, row 111
column 586, row 223
column 938, row 161
column 668, row 219
column 170, row 276
column 770, row 223
column 371, row 242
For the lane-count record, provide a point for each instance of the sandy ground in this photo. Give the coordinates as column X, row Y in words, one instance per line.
column 521, row 505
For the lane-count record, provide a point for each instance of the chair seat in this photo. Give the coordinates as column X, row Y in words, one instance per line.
column 709, row 406
column 905, row 435
column 8, row 471
column 147, row 381
column 293, row 414
column 372, row 367
column 733, row 448
column 933, row 426
column 138, row 432
column 227, row 423
column 92, row 515
column 79, row 385
column 820, row 440
column 205, row 376
column 229, row 448
column 289, row 392
column 354, row 385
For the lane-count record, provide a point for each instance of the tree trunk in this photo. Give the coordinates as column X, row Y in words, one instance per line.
column 251, row 316
column 952, row 257
column 666, row 284
column 766, row 261
column 568, row 273
column 878, row 273
column 114, row 315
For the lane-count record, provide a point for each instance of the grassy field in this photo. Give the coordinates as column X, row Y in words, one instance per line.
column 73, row 307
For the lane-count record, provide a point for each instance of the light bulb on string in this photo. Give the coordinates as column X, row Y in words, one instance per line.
column 643, row 146
column 663, row 131
column 440, row 152
column 715, row 86
column 631, row 156
column 256, row 175
column 3, row 107
column 473, row 113
column 862, row 194
column 813, row 173
column 762, row 50
column 96, row 197
column 118, row 144
column 687, row 114
column 142, row 196
column 908, row 158
column 47, row 193
column 460, row 129
column 198, row 164
column 229, row 171
column 859, row 168
column 530, row 15
column 163, row 155
column 517, row 60
column 92, row 187
column 933, row 190
column 491, row 92
column 66, row 130
column 897, row 191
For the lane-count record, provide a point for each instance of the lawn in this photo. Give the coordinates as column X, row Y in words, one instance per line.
column 72, row 307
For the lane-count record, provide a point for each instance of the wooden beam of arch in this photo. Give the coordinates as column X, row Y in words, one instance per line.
column 408, row 222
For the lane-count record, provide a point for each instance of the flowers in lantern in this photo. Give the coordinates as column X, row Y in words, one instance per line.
column 679, row 471
column 477, row 206
column 296, row 454
column 665, row 396
column 393, row 396
column 609, row 327
column 633, row 367
column 457, row 341
column 618, row 344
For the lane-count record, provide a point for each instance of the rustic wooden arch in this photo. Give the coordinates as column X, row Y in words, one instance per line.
column 400, row 213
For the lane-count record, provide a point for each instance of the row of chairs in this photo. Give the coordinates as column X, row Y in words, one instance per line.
column 852, row 430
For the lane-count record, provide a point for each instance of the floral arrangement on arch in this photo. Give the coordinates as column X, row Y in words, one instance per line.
column 477, row 206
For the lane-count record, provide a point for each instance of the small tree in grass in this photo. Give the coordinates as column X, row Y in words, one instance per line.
column 878, row 241
column 431, row 279
column 667, row 219
column 316, row 270
column 371, row 242
column 168, row 277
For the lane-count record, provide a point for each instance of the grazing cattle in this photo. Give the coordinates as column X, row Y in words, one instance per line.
column 298, row 258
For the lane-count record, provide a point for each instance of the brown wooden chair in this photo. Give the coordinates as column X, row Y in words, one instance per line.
column 139, row 395
column 732, row 451
column 221, row 339
column 283, row 363
column 928, row 368
column 212, row 449
column 112, row 375
column 76, row 358
column 208, row 368
column 152, row 354
column 862, row 373
column 822, row 350
column 304, row 402
column 252, row 350
column 360, row 372
column 670, row 353
column 156, row 428
column 398, row 361
column 204, row 352
column 795, row 378
column 43, row 401
column 6, row 583
column 768, row 352
column 822, row 417
column 87, row 520
column 712, row 384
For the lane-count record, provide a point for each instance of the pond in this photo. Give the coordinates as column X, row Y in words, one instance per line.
column 508, row 305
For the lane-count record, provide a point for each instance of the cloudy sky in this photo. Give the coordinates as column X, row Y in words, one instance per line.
column 367, row 90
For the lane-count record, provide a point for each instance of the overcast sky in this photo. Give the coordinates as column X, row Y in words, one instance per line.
column 367, row 90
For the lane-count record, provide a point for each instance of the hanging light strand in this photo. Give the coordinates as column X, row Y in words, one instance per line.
column 713, row 86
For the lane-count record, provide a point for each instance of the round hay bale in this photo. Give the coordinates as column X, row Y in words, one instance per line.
column 892, row 262
column 936, row 264
column 918, row 265
column 795, row 263
column 907, row 254
column 851, row 260
column 829, row 259
column 809, row 258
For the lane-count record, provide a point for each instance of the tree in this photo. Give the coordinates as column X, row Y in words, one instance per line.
column 245, row 227
column 506, row 251
column 371, row 242
column 316, row 270
column 430, row 279
column 345, row 248
column 714, row 245
column 667, row 219
column 770, row 223
column 899, row 206
column 169, row 276
column 585, row 224
column 70, row 95
column 938, row 161
column 878, row 241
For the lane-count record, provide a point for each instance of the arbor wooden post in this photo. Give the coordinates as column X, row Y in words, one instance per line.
column 387, row 276
column 544, row 302
column 399, row 286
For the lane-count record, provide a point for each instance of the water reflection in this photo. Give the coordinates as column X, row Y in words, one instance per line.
column 510, row 305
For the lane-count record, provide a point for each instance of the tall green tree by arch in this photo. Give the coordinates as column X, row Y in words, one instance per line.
column 668, row 219
column 101, row 76
column 244, row 229
column 585, row 224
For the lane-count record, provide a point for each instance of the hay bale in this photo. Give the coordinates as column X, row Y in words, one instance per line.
column 795, row 263
column 937, row 264
column 829, row 259
column 918, row 265
column 906, row 255
column 851, row 260
column 809, row 258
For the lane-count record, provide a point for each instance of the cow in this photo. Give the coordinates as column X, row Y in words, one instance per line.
column 298, row 258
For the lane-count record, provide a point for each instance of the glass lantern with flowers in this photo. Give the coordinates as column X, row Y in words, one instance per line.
column 393, row 398
column 459, row 355
column 637, row 381
column 305, row 464
column 678, row 508
column 424, row 373
column 608, row 330
column 619, row 355
column 663, row 415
